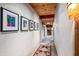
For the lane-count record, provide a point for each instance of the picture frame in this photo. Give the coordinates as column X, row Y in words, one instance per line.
column 31, row 25
column 38, row 27
column 9, row 21
column 35, row 24
column 24, row 23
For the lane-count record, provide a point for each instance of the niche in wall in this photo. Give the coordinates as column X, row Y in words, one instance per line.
column 48, row 32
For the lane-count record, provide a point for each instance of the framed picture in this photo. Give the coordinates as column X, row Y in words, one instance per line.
column 31, row 25
column 35, row 26
column 38, row 26
column 9, row 20
column 24, row 24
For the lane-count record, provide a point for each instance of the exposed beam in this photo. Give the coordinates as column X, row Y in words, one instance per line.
column 46, row 16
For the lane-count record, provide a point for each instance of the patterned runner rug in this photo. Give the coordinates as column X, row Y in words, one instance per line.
column 46, row 50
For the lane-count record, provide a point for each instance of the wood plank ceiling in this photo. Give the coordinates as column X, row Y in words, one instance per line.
column 46, row 12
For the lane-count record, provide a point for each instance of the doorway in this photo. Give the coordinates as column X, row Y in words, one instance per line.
column 77, row 35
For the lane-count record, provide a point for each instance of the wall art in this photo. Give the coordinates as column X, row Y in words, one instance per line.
column 31, row 25
column 38, row 27
column 9, row 20
column 35, row 24
column 24, row 23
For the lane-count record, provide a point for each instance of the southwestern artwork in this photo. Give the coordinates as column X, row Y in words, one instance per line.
column 10, row 21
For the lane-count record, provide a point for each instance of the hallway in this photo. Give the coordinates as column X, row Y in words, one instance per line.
column 36, row 29
column 46, row 14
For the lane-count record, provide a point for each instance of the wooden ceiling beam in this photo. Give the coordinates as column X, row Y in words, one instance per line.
column 48, row 19
column 46, row 16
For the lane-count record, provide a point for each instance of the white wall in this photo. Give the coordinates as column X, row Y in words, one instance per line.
column 20, row 43
column 63, row 32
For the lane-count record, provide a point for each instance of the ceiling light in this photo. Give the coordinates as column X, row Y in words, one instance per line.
column 48, row 23
column 72, row 6
column 72, row 10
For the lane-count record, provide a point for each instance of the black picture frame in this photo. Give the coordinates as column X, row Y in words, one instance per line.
column 14, row 21
column 35, row 26
column 38, row 26
column 24, row 23
column 31, row 25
